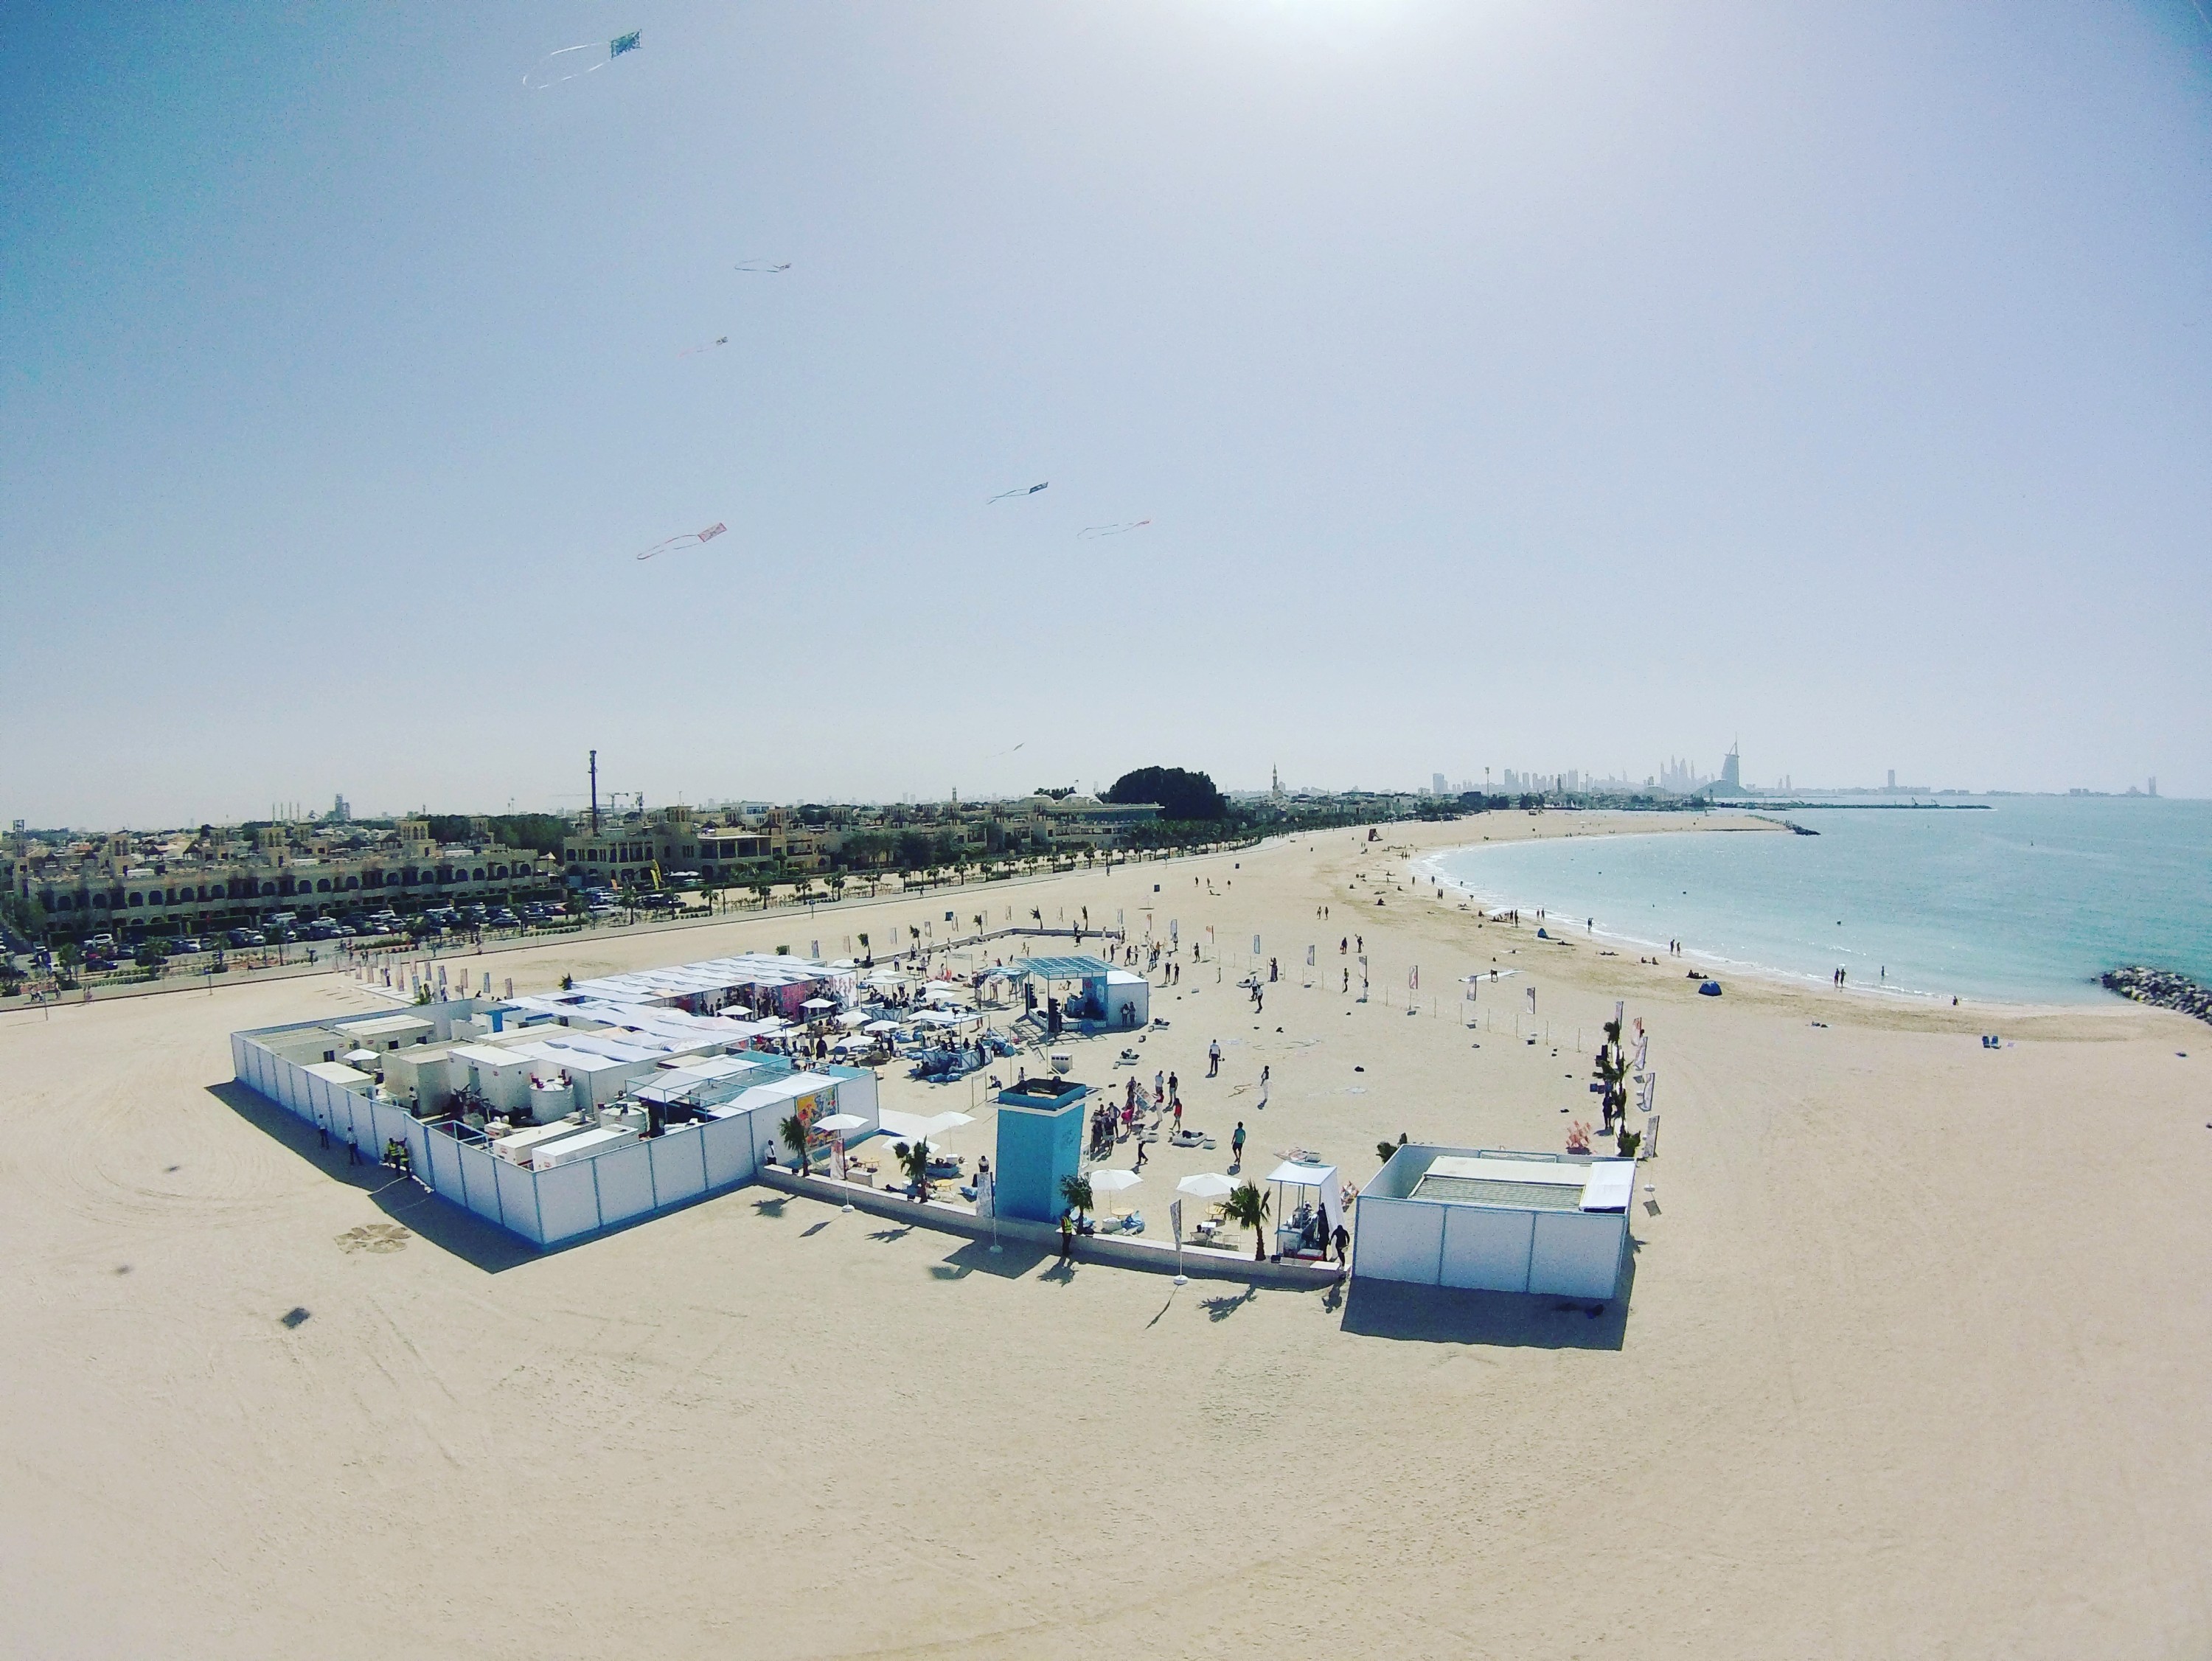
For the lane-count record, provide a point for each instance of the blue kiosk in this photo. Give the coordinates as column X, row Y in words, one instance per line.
column 1040, row 1142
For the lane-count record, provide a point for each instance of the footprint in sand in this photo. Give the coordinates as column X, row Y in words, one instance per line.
column 375, row 1237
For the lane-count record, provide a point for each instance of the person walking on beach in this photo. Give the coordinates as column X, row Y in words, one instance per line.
column 1214, row 1058
column 1067, row 1236
column 1236, row 1146
column 1263, row 1089
column 1343, row 1240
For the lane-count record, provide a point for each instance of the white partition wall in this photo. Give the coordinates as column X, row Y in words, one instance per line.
column 1485, row 1246
column 1398, row 1239
column 1576, row 1254
column 545, row 1208
column 1485, row 1251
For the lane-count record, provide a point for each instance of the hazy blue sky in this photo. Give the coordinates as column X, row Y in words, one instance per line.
column 1522, row 385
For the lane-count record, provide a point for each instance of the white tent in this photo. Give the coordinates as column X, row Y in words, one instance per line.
column 1290, row 1173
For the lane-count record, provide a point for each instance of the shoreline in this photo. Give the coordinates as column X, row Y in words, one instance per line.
column 1804, row 981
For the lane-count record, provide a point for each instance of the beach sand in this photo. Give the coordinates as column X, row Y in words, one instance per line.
column 1914, row 1362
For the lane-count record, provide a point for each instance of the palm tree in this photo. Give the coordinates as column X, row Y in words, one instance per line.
column 794, row 1138
column 915, row 1161
column 1076, row 1190
column 1247, row 1207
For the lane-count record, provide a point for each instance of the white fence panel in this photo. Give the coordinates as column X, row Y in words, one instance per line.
column 1398, row 1239
column 567, row 1201
column 1486, row 1250
column 1578, row 1253
column 679, row 1170
column 625, row 1183
column 729, row 1145
column 445, row 1166
column 482, row 1182
column 518, row 1199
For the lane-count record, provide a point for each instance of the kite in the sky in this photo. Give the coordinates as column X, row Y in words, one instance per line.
column 694, row 351
column 690, row 539
column 566, row 65
column 762, row 267
column 1112, row 530
column 1031, row 491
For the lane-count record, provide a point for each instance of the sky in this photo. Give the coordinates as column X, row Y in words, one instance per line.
column 1534, row 385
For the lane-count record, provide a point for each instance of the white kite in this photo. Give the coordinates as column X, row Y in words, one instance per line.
column 689, row 539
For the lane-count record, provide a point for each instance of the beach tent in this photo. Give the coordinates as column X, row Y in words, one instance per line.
column 1292, row 1173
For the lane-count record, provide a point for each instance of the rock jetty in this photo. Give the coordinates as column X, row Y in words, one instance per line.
column 2162, row 987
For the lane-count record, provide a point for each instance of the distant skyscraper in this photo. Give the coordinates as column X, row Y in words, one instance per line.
column 2154, row 783
column 1439, row 786
column 1731, row 769
column 1892, row 778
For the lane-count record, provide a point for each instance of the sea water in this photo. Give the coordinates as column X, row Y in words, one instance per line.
column 2028, row 899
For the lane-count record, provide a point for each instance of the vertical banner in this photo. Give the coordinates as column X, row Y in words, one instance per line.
column 1532, row 1000
column 1256, row 945
column 1310, row 957
column 1413, row 979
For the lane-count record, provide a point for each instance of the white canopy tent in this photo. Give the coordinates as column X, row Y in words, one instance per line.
column 1292, row 1173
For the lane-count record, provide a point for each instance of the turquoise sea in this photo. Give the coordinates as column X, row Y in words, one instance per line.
column 2028, row 901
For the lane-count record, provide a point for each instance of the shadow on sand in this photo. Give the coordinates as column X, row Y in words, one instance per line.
column 407, row 1202
column 1506, row 1320
column 1012, row 1263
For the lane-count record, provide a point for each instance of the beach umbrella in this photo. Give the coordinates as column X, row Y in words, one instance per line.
column 1113, row 1182
column 360, row 1055
column 853, row 1018
column 817, row 1003
column 1207, row 1184
column 838, row 1124
column 881, row 1026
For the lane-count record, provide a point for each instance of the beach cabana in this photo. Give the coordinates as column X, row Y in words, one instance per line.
column 1494, row 1220
column 1308, row 1205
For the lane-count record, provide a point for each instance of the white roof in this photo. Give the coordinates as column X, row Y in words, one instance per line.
column 1302, row 1176
column 391, row 1026
column 783, row 1089
column 338, row 1073
column 489, row 1055
column 1612, row 1184
column 1551, row 1171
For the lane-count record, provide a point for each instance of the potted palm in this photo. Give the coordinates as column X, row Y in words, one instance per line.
column 793, row 1130
column 1076, row 1190
column 1247, row 1207
column 915, row 1162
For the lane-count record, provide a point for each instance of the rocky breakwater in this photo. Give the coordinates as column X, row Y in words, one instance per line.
column 2162, row 987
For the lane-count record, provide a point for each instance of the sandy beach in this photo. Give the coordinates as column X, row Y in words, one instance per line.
column 1913, row 1362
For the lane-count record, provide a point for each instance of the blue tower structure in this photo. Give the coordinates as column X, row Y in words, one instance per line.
column 1040, row 1142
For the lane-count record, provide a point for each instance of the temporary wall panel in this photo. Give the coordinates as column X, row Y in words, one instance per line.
column 625, row 1182
column 679, row 1169
column 1578, row 1253
column 518, row 1197
column 445, row 1164
column 1486, row 1250
column 1399, row 1239
column 568, row 1201
column 480, row 1183
column 729, row 1148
